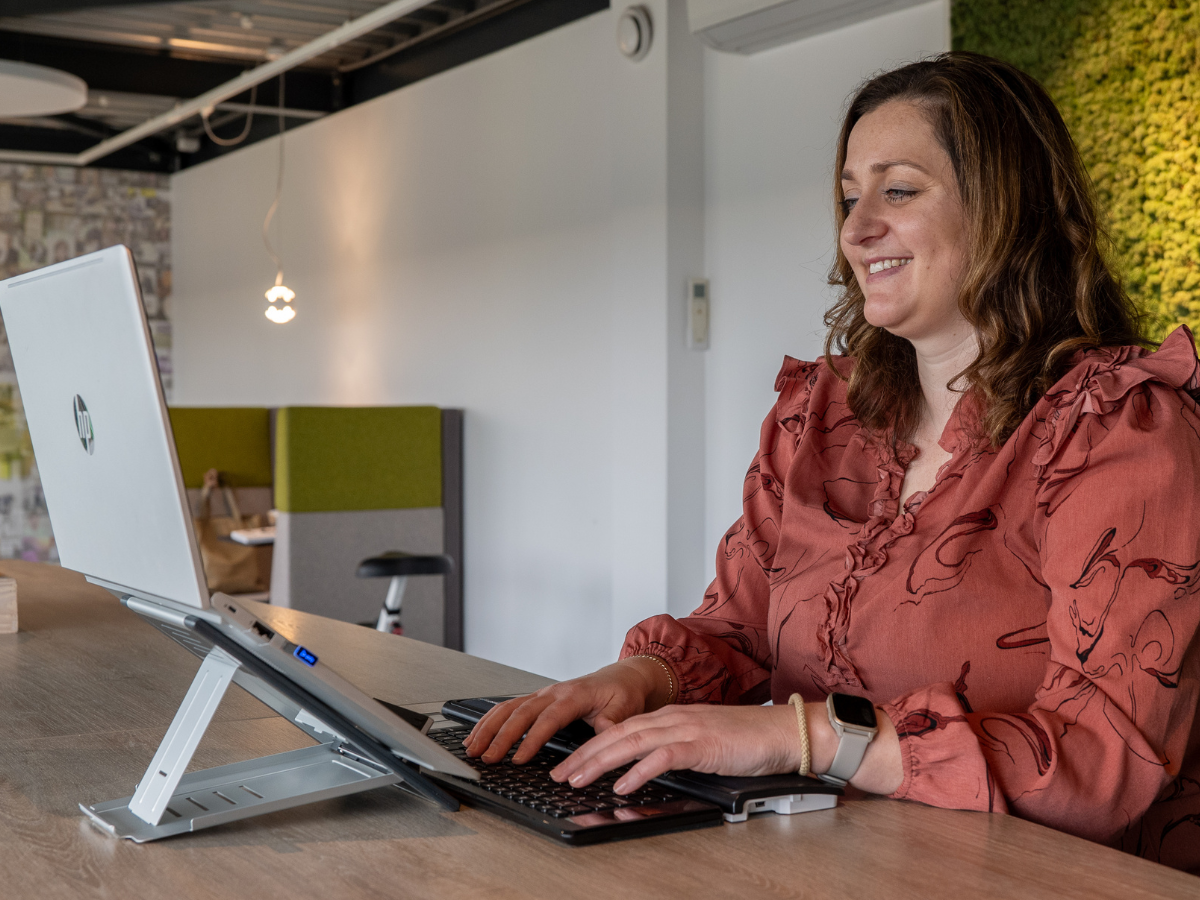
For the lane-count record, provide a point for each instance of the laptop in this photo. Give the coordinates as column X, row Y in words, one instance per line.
column 102, row 439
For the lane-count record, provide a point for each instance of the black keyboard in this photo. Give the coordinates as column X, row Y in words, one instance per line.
column 531, row 786
column 528, row 795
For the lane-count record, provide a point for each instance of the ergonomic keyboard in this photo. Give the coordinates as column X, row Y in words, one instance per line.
column 528, row 795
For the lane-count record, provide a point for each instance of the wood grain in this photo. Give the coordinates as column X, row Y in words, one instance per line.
column 87, row 691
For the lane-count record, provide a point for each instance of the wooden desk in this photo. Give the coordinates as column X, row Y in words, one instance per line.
column 87, row 691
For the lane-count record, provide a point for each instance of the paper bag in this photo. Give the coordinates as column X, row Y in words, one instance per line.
column 229, row 567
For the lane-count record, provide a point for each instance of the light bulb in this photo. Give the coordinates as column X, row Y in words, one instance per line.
column 280, row 292
column 280, row 315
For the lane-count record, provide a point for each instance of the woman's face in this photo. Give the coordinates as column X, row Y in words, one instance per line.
column 905, row 229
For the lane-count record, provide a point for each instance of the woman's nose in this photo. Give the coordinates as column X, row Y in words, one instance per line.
column 864, row 223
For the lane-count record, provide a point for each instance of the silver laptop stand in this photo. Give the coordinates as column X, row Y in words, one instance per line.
column 169, row 802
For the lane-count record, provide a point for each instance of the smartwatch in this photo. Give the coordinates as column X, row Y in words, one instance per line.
column 853, row 718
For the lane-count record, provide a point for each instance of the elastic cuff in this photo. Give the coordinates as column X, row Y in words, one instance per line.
column 906, row 758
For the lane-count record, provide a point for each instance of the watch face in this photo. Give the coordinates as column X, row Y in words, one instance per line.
column 857, row 712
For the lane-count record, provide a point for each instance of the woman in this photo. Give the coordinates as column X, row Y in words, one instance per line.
column 979, row 517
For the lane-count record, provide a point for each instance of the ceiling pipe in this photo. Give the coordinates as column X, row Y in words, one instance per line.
column 326, row 42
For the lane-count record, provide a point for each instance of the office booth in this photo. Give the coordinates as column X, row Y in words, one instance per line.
column 347, row 483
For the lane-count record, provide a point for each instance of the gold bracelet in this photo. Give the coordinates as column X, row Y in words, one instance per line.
column 667, row 669
column 802, row 723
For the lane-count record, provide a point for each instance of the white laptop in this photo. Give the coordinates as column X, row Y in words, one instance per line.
column 104, row 449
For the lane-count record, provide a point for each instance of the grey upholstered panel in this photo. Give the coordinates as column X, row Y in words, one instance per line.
column 316, row 554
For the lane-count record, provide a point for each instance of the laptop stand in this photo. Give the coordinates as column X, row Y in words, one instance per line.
column 169, row 802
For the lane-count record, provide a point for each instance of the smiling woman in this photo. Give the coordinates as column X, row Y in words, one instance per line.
column 961, row 557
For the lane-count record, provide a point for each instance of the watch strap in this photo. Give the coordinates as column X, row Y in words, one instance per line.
column 852, row 747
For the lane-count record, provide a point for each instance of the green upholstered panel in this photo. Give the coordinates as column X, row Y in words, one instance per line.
column 235, row 440
column 347, row 458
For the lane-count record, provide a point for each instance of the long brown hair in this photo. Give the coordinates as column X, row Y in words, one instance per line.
column 1036, row 286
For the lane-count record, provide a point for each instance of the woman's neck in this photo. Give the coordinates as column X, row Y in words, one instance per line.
column 939, row 360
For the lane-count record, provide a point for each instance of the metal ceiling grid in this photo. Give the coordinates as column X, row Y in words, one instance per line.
column 251, row 30
column 144, row 59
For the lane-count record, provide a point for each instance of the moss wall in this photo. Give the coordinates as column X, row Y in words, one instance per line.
column 1125, row 75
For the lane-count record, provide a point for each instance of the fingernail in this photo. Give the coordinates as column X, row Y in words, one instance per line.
column 620, row 787
column 576, row 778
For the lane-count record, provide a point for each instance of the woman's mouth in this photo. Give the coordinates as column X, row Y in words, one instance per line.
column 881, row 264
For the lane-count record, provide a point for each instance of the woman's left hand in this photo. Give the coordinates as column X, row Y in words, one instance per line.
column 725, row 740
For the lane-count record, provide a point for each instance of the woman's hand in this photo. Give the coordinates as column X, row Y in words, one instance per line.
column 602, row 699
column 726, row 740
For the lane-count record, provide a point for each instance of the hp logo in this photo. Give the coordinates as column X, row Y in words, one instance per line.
column 83, row 424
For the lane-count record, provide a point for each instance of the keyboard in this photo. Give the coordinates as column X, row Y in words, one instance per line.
column 528, row 795
column 737, row 797
column 531, row 786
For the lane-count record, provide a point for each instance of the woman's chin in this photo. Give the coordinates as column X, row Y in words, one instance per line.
column 887, row 318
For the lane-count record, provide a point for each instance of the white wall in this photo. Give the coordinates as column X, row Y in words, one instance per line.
column 511, row 237
column 492, row 238
column 771, row 124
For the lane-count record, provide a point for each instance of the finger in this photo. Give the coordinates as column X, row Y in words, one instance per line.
column 663, row 759
column 514, row 729
column 637, row 744
column 485, row 729
column 662, row 718
column 558, row 714
column 583, row 755
column 503, row 734
column 491, row 720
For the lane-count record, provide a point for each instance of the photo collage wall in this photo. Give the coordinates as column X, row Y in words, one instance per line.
column 47, row 215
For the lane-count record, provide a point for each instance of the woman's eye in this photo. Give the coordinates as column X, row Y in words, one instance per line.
column 848, row 204
column 897, row 195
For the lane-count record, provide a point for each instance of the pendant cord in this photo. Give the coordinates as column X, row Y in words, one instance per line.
column 234, row 141
column 278, row 193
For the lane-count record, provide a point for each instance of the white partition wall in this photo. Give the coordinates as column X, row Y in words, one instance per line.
column 771, row 124
column 512, row 237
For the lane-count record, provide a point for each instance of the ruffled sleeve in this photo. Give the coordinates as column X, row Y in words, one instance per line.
column 721, row 653
column 1116, row 459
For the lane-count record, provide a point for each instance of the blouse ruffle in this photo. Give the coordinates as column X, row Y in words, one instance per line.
column 1101, row 379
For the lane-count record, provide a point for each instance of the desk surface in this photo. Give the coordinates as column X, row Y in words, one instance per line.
column 87, row 691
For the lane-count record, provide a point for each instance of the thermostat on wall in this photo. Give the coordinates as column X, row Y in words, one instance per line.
column 697, row 314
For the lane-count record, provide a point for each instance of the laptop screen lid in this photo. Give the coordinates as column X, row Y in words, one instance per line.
column 98, row 421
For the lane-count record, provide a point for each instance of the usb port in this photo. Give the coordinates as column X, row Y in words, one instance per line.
column 262, row 630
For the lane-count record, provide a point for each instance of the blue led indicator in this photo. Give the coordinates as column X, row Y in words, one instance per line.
column 305, row 656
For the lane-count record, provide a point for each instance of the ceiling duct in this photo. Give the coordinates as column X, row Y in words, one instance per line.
column 747, row 26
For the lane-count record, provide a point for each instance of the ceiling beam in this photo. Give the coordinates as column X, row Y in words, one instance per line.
column 145, row 156
column 42, row 7
column 107, row 67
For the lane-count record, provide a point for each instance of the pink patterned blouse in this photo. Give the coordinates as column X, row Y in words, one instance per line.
column 1029, row 623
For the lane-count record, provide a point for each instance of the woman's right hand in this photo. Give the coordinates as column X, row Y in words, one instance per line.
column 602, row 699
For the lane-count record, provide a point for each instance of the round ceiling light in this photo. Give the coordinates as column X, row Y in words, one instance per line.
column 29, row 90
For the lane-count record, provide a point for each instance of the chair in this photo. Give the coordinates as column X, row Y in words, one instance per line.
column 398, row 566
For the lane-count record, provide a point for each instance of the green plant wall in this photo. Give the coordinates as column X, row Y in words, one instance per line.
column 1126, row 76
